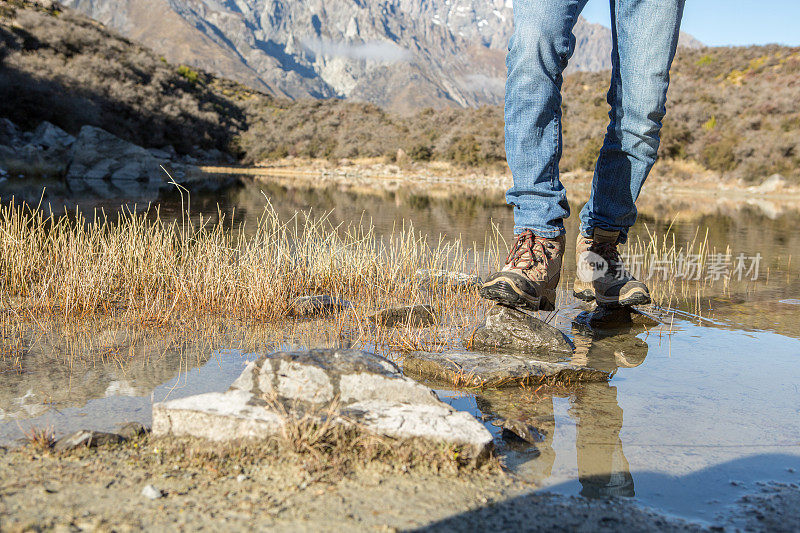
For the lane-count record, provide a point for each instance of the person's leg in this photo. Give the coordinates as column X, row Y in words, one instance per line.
column 645, row 37
column 537, row 56
column 540, row 47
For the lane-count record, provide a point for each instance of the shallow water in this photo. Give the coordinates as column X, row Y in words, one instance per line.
column 699, row 412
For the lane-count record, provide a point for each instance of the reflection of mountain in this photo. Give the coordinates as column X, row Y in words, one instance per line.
column 57, row 372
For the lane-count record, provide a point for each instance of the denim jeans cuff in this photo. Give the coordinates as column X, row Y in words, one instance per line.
column 622, row 239
column 546, row 233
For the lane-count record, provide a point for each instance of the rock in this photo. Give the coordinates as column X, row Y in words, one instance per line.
column 364, row 389
column 132, row 430
column 52, row 138
column 322, row 304
column 608, row 318
column 474, row 369
column 414, row 315
column 86, row 439
column 513, row 331
column 151, row 493
column 241, row 478
column 9, row 132
column 771, row 184
column 99, row 155
column 431, row 279
column 159, row 154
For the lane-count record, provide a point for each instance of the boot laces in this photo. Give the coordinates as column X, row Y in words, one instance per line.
column 528, row 248
column 609, row 252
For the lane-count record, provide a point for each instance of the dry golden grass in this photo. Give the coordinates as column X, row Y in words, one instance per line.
column 140, row 270
column 152, row 269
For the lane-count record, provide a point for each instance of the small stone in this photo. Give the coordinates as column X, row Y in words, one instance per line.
column 86, row 439
column 241, row 478
column 322, row 304
column 512, row 331
column 132, row 430
column 151, row 493
column 413, row 315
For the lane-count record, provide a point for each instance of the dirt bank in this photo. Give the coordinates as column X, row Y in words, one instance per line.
column 101, row 490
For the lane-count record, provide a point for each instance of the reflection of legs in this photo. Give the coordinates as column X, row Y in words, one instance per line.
column 602, row 467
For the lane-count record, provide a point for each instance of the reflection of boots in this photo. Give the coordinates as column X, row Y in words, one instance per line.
column 603, row 469
column 607, row 352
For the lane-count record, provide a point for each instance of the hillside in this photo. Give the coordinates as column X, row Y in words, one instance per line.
column 65, row 68
column 731, row 110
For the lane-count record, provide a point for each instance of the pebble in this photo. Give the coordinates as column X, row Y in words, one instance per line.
column 241, row 478
column 151, row 493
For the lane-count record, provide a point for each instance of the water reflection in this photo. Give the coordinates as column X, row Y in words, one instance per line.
column 603, row 469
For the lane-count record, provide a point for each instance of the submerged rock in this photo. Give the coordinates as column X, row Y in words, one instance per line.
column 322, row 304
column 414, row 315
column 431, row 279
column 513, row 331
column 350, row 385
column 474, row 369
column 520, row 430
column 86, row 439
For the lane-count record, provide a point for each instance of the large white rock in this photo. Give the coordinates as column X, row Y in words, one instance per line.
column 367, row 389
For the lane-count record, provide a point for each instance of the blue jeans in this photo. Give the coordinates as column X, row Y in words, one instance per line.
column 645, row 36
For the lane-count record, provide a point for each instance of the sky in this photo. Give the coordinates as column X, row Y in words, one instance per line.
column 729, row 22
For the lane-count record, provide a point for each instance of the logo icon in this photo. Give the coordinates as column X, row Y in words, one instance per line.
column 591, row 267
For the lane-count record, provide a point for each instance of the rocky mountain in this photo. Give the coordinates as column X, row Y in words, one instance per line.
column 402, row 54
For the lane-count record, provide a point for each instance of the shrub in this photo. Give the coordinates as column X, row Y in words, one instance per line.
column 192, row 76
column 421, row 152
column 720, row 155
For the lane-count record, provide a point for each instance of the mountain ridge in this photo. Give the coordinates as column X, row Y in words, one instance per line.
column 399, row 54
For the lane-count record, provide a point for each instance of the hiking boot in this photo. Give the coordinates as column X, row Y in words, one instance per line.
column 530, row 276
column 602, row 275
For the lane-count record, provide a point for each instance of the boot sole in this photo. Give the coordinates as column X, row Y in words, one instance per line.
column 506, row 293
column 632, row 297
